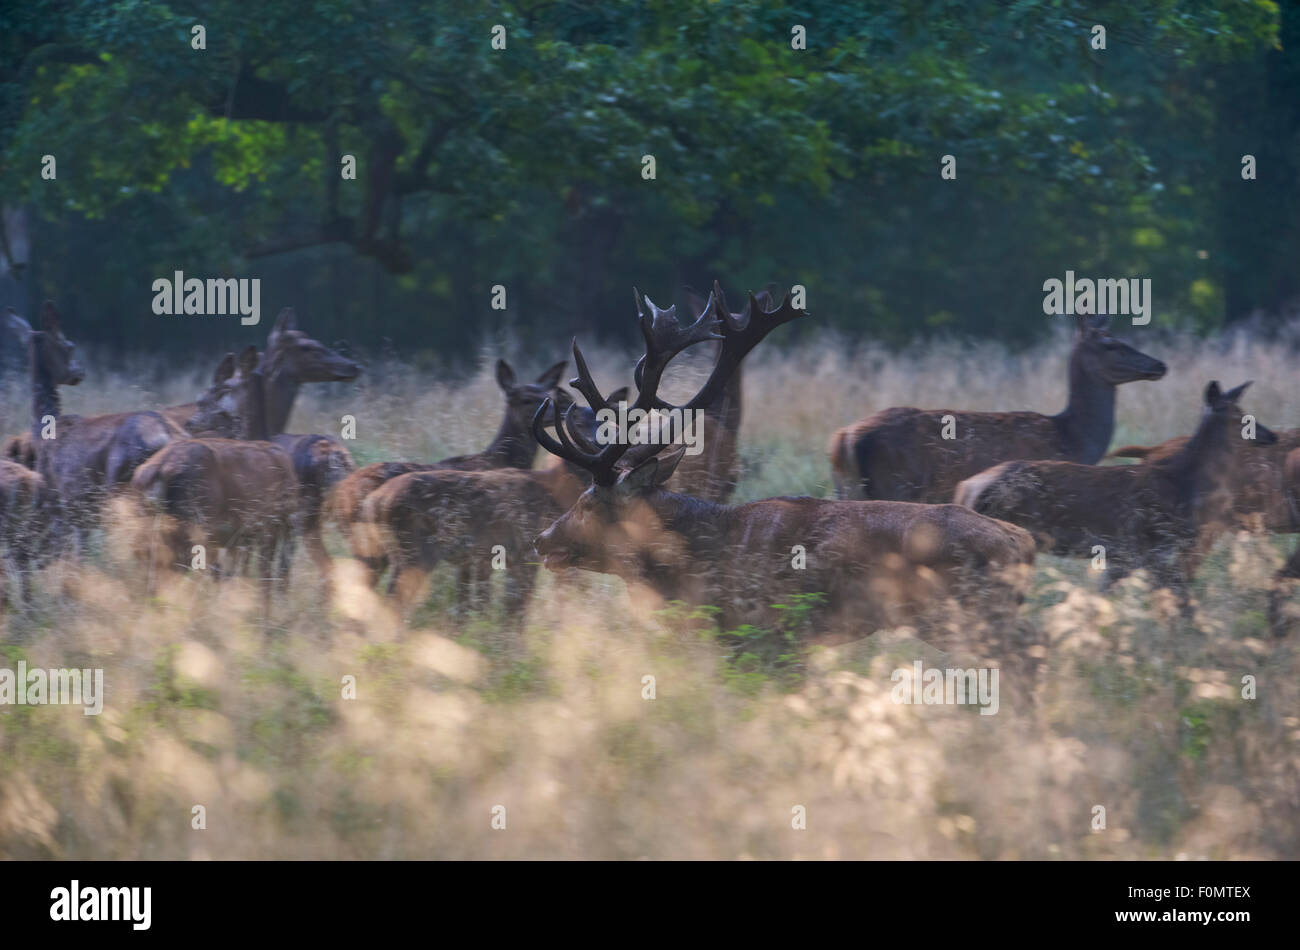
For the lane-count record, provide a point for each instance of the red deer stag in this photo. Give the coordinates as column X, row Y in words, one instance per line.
column 512, row 447
column 1163, row 515
column 902, row 455
column 81, row 458
column 873, row 561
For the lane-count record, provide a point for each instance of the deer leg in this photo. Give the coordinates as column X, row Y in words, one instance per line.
column 520, row 581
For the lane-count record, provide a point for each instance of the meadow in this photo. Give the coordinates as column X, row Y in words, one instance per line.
column 1133, row 709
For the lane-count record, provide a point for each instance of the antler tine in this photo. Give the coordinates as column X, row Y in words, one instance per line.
column 584, row 383
column 741, row 334
column 665, row 337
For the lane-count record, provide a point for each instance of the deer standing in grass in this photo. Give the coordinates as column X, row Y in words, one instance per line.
column 874, row 561
column 423, row 518
column 513, row 446
column 81, row 458
column 1162, row 515
column 241, row 495
column 902, row 455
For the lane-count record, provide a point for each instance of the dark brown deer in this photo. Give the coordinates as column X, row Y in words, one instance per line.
column 512, row 447
column 240, row 495
column 26, row 505
column 422, row 518
column 1163, row 515
column 81, row 458
column 902, row 455
column 873, row 561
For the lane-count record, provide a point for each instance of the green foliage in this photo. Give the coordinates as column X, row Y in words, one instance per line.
column 523, row 166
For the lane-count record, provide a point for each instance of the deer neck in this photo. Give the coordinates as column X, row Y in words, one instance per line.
column 1203, row 463
column 565, row 482
column 1088, row 421
column 702, row 526
column 281, row 391
column 45, row 394
column 513, row 446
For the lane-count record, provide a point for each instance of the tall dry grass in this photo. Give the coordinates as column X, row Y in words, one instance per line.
column 207, row 705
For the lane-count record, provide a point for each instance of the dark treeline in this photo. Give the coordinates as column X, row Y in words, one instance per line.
column 523, row 166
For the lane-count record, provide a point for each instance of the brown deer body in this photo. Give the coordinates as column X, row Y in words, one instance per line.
column 901, row 454
column 1259, row 485
column 875, row 562
column 423, row 518
column 25, row 506
column 1291, row 570
column 241, row 495
column 513, row 446
column 1162, row 515
column 86, row 456
column 419, row 519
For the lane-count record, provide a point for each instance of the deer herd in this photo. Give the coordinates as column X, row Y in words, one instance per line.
column 935, row 509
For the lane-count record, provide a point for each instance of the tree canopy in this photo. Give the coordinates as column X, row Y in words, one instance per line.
column 523, row 166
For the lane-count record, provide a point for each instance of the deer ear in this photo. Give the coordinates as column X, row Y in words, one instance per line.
column 1213, row 395
column 248, row 360
column 651, row 473
column 551, row 378
column 286, row 319
column 1232, row 395
column 225, row 369
column 505, row 375
column 49, row 317
column 18, row 325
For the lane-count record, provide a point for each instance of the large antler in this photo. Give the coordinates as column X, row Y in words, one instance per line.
column 665, row 337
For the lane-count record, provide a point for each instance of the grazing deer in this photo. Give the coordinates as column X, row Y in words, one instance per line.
column 873, row 561
column 1162, row 515
column 422, row 518
column 238, row 494
column 512, row 447
column 902, row 455
column 81, row 458
column 25, row 507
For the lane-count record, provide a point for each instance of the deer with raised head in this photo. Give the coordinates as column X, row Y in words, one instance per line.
column 81, row 458
column 291, row 358
column 901, row 454
column 423, row 518
column 513, row 446
column 238, row 494
column 873, row 561
column 1163, row 515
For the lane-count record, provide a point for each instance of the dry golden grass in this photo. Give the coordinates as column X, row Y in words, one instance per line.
column 207, row 705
